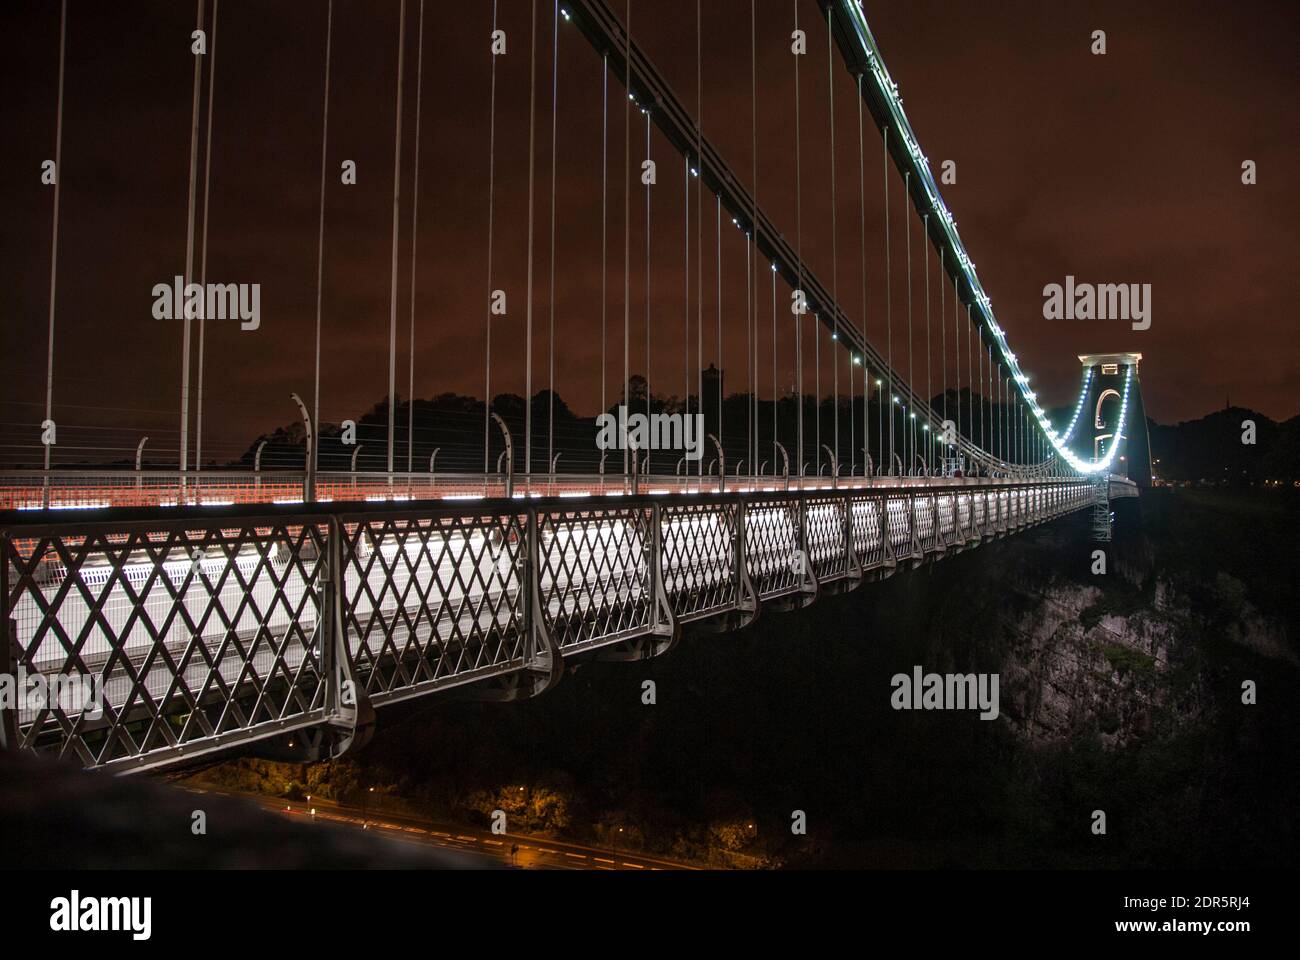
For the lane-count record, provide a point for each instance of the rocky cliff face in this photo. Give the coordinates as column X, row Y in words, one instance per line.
column 1123, row 654
column 1070, row 671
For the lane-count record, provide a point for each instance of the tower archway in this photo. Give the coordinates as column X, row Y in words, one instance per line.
column 1105, row 375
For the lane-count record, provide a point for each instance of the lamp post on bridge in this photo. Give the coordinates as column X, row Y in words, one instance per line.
column 309, row 480
column 508, row 453
column 257, row 466
column 785, row 460
column 139, row 454
column 911, row 434
column 722, row 464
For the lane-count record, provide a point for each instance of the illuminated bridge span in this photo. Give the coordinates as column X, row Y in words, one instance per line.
column 273, row 612
column 280, row 632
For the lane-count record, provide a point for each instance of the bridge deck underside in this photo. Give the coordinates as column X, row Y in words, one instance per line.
column 208, row 632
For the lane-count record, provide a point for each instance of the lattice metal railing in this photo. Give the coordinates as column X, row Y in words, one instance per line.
column 901, row 530
column 432, row 601
column 596, row 577
column 825, row 529
column 203, row 631
column 870, row 537
column 699, row 558
column 945, row 511
column 188, row 633
column 772, row 546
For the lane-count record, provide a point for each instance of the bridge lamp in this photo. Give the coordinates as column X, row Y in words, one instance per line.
column 564, row 13
column 879, row 382
column 835, row 336
column 895, row 398
column 857, row 361
column 696, row 173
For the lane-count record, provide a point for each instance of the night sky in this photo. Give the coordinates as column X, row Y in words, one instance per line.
column 1123, row 168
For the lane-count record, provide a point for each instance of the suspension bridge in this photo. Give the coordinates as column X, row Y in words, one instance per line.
column 273, row 611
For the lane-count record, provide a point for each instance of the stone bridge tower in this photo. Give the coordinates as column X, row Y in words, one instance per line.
column 1104, row 379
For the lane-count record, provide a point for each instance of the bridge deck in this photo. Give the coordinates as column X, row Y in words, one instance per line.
column 210, row 627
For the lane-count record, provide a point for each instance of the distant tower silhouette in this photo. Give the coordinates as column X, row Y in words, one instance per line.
column 1105, row 374
column 711, row 378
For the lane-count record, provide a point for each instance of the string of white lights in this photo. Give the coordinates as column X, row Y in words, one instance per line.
column 889, row 94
